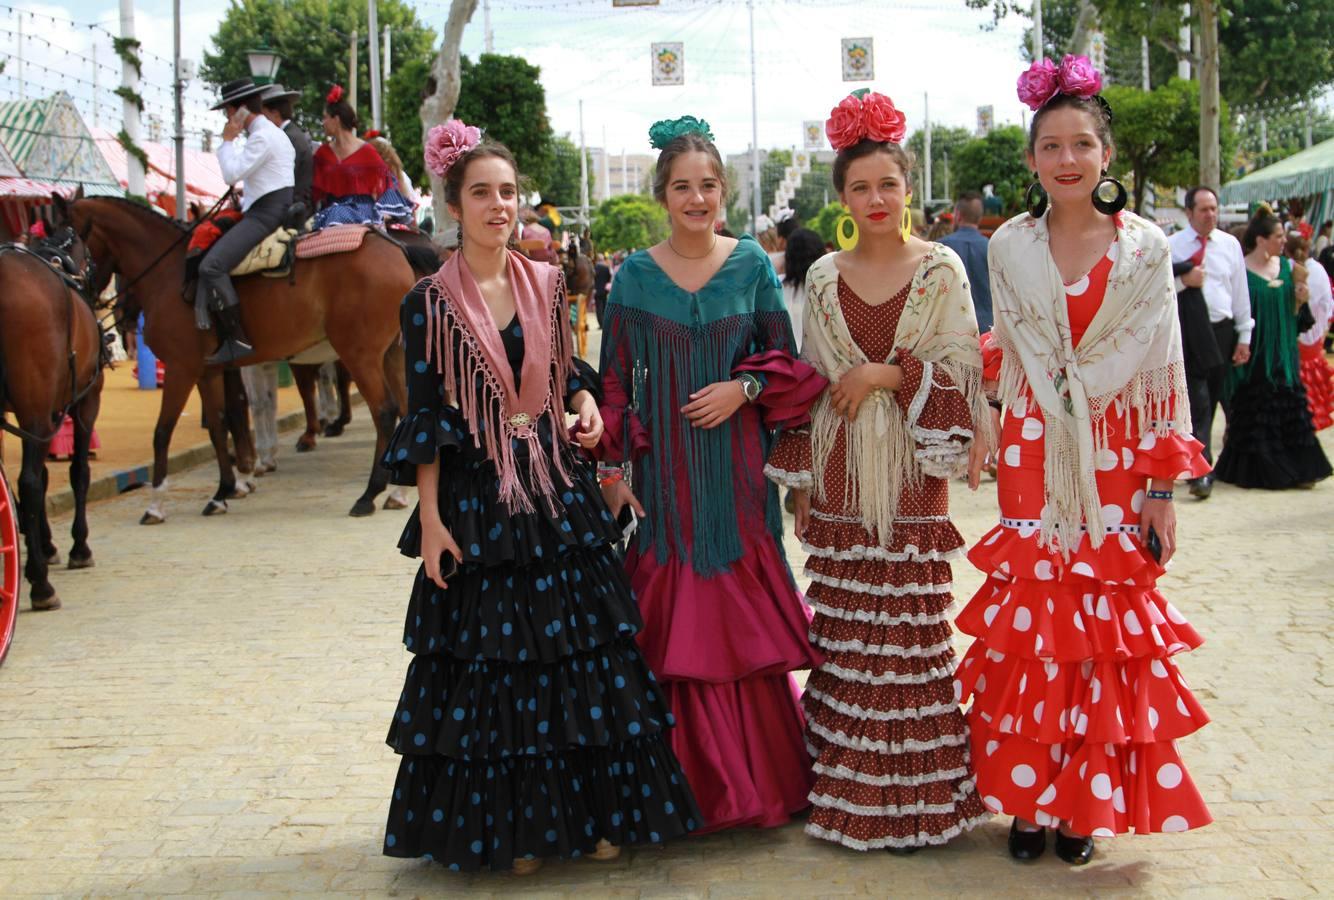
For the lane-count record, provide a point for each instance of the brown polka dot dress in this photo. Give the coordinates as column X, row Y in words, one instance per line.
column 883, row 722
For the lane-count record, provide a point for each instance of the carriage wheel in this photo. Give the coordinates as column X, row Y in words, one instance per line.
column 9, row 566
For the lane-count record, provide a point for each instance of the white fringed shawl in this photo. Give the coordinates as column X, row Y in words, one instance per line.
column 1130, row 355
column 885, row 447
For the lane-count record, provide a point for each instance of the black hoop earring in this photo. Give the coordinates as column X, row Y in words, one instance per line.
column 1036, row 200
column 459, row 235
column 1109, row 195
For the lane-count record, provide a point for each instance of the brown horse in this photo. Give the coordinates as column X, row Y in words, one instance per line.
column 50, row 366
column 352, row 298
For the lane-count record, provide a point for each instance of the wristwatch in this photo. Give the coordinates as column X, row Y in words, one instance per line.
column 750, row 385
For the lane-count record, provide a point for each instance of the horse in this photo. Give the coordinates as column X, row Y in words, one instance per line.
column 51, row 356
column 351, row 297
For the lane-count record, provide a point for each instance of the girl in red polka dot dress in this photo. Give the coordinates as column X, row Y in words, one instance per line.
column 1076, row 700
column 891, row 325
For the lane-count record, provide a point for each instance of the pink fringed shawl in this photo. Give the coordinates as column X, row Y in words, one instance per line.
column 496, row 412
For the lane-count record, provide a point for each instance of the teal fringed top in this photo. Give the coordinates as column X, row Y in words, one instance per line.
column 1274, row 341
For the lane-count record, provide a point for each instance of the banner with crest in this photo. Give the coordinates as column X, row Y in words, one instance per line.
column 669, row 65
column 858, row 59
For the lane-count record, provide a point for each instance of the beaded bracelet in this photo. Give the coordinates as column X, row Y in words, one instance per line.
column 1160, row 495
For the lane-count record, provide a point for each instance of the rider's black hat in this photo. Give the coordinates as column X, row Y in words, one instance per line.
column 233, row 92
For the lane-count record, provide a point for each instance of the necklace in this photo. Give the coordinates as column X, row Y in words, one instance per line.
column 672, row 247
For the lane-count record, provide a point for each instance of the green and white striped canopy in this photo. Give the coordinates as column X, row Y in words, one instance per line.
column 1300, row 175
column 50, row 142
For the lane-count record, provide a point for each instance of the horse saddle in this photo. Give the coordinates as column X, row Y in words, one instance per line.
column 271, row 257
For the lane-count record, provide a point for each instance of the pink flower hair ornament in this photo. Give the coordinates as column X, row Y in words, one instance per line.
column 447, row 142
column 1044, row 80
column 865, row 115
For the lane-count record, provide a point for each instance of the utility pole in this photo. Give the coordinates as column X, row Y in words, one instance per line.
column 489, row 38
column 372, row 31
column 1183, row 63
column 1210, row 102
column 352, row 72
column 606, row 167
column 926, row 145
column 1307, row 116
column 129, row 78
column 1144, row 61
column 178, row 111
column 1038, row 51
column 754, row 123
column 387, row 48
column 583, row 171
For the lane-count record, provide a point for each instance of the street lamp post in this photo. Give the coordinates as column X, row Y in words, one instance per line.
column 264, row 62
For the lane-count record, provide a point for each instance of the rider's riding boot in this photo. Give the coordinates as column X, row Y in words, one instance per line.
column 233, row 344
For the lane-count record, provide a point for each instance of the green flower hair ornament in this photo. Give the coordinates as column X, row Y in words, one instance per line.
column 664, row 131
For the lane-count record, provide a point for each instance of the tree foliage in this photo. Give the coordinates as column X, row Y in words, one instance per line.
column 561, row 186
column 503, row 96
column 629, row 222
column 997, row 159
column 1157, row 135
column 946, row 142
column 313, row 36
column 824, row 222
column 407, row 86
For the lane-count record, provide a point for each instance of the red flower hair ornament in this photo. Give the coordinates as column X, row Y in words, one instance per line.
column 865, row 115
column 1044, row 80
column 335, row 94
column 370, row 135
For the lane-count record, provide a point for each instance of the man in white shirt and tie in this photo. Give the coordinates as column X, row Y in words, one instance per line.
column 1214, row 306
column 265, row 164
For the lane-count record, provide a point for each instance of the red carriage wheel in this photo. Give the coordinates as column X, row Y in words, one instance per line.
column 9, row 565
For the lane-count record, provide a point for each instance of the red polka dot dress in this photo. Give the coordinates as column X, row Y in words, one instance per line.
column 882, row 720
column 1076, row 699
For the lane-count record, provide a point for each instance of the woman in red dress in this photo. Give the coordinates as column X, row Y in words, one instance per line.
column 891, row 325
column 352, row 184
column 1076, row 701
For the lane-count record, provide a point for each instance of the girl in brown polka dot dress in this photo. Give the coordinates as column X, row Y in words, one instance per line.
column 890, row 323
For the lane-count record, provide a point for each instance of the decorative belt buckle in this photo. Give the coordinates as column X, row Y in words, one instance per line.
column 519, row 420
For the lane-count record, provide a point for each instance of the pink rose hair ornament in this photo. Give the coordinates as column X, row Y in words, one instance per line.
column 865, row 115
column 446, row 143
column 1076, row 76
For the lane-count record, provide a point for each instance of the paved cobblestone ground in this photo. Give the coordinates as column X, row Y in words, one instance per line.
column 206, row 716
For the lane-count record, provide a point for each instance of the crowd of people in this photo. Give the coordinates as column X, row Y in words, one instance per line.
column 604, row 626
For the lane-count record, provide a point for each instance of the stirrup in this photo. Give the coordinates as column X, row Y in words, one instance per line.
column 229, row 351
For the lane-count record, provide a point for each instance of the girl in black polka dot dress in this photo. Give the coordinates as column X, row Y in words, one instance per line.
column 529, row 726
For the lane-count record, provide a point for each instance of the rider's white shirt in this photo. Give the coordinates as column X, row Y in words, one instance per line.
column 264, row 161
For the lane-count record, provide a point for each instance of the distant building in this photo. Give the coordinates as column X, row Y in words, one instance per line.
column 625, row 173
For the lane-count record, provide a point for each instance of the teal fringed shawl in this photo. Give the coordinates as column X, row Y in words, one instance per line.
column 663, row 343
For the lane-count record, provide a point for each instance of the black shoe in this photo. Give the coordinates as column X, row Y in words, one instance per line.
column 233, row 344
column 902, row 851
column 1075, row 850
column 1202, row 487
column 1027, row 845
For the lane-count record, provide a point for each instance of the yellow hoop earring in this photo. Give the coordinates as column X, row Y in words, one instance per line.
column 905, row 224
column 846, row 237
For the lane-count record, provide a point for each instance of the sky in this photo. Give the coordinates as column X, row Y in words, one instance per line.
column 926, row 52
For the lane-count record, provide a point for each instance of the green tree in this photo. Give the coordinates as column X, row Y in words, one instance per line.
column 562, row 184
column 313, row 36
column 997, row 159
column 403, row 121
column 1157, row 135
column 504, row 97
column 629, row 222
column 946, row 142
column 823, row 222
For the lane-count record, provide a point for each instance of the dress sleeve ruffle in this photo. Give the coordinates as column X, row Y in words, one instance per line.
column 938, row 416
column 1171, row 456
column 418, row 440
column 991, row 357
column 791, row 387
column 789, row 462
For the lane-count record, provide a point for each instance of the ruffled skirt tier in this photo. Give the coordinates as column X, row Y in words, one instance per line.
column 1318, row 380
column 883, row 722
column 1076, row 700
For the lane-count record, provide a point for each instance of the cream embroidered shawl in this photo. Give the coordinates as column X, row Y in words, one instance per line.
column 1130, row 355
column 886, row 448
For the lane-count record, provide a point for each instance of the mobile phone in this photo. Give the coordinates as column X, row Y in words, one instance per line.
column 1154, row 545
column 449, row 566
column 628, row 521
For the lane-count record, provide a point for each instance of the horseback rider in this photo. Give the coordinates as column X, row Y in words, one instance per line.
column 278, row 108
column 265, row 164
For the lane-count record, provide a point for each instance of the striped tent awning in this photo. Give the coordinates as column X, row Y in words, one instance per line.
column 28, row 189
column 49, row 141
column 1300, row 175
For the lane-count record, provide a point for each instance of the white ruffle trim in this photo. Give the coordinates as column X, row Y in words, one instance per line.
column 917, row 651
column 882, row 715
column 797, row 480
column 878, row 618
column 961, row 793
column 920, row 839
column 880, row 590
column 911, row 553
column 839, row 739
column 935, row 673
column 843, row 773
